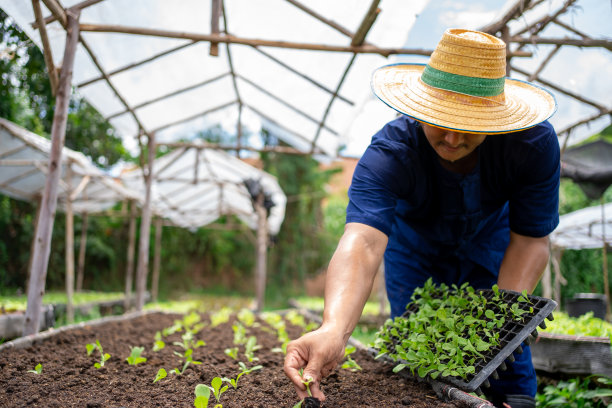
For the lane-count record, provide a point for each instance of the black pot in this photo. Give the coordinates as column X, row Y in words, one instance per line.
column 583, row 303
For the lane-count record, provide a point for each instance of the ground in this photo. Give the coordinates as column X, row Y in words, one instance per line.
column 69, row 378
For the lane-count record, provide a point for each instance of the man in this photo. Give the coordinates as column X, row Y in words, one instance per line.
column 463, row 187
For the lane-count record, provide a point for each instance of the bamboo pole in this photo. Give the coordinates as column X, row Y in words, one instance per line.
column 80, row 6
column 262, row 246
column 230, row 39
column 142, row 268
column 605, row 258
column 129, row 270
column 366, row 24
column 47, row 54
column 156, row 259
column 69, row 236
column 44, row 229
column 213, row 146
column 215, row 15
column 584, row 42
column 82, row 250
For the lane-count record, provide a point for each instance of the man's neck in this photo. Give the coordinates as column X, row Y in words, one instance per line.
column 462, row 166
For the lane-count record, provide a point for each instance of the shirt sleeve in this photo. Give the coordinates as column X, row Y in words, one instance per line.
column 379, row 179
column 534, row 202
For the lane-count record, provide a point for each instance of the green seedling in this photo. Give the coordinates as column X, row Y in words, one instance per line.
column 161, row 374
column 176, row 327
column 202, row 393
column 306, row 382
column 246, row 317
column 249, row 349
column 243, row 371
column 188, row 342
column 103, row 356
column 350, row 364
column 232, row 352
column 221, row 316
column 37, row 369
column 239, row 333
column 217, row 388
column 134, row 358
column 159, row 343
column 188, row 360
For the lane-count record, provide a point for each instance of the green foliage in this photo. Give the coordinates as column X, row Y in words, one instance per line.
column 37, row 369
column 576, row 393
column 585, row 325
column 103, row 356
column 134, row 357
column 243, row 371
column 349, row 363
column 202, row 393
column 161, row 374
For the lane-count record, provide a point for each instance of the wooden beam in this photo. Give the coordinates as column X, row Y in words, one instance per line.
column 69, row 236
column 82, row 250
column 284, row 103
column 47, row 54
column 584, row 42
column 535, row 73
column 570, row 28
column 511, row 14
column 44, row 229
column 322, row 19
column 234, row 84
column 563, row 91
column 215, row 15
column 13, row 151
column 79, row 6
column 84, row 181
column 302, row 75
column 58, row 11
column 135, row 64
column 156, row 259
column 230, row 39
column 584, row 121
column 205, row 145
column 129, row 267
column 261, row 251
column 192, row 117
column 169, row 95
column 366, row 24
column 142, row 268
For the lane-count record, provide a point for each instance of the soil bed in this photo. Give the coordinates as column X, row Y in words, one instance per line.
column 69, row 378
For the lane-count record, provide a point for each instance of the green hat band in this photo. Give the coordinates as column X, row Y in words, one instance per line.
column 461, row 83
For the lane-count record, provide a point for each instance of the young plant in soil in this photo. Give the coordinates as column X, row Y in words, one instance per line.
column 161, row 374
column 134, row 357
column 243, row 371
column 188, row 360
column 309, row 401
column 217, row 387
column 350, row 364
column 250, row 347
column 103, row 356
column 448, row 330
column 232, row 352
column 37, row 369
column 159, row 343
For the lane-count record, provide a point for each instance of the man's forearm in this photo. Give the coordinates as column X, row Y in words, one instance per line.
column 523, row 263
column 350, row 276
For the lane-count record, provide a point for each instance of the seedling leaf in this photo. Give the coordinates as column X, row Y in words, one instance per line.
column 161, row 374
column 37, row 369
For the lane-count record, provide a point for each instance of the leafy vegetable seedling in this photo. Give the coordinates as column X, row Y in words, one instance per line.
column 37, row 369
column 250, row 347
column 350, row 364
column 232, row 352
column 243, row 371
column 103, row 356
column 188, row 360
column 217, row 388
column 159, row 343
column 310, row 401
column 161, row 374
column 134, row 358
column 202, row 393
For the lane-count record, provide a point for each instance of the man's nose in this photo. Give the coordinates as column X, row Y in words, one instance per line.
column 454, row 138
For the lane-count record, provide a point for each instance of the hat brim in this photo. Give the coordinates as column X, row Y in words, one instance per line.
column 523, row 105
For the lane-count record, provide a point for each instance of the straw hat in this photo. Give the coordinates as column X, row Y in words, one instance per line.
column 464, row 88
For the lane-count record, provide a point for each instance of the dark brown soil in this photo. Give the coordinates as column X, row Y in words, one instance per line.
column 69, row 378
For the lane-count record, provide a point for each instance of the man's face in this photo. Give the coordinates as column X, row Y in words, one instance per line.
column 451, row 145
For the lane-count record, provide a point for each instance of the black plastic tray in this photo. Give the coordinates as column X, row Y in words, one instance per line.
column 512, row 336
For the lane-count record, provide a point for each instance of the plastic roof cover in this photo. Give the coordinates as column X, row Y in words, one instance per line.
column 194, row 187
column 254, row 68
column 582, row 229
column 24, row 157
column 589, row 165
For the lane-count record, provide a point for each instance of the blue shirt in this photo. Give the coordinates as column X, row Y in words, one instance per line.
column 400, row 188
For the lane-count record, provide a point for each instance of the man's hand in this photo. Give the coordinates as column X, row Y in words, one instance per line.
column 318, row 352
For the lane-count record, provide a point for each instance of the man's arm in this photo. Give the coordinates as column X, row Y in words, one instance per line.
column 523, row 263
column 348, row 284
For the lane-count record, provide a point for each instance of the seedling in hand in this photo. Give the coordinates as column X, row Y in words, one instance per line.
column 161, row 374
column 37, row 369
column 103, row 356
column 134, row 358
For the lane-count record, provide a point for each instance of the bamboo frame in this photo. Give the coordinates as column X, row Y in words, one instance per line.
column 47, row 54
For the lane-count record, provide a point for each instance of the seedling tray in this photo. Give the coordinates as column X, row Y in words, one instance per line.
column 512, row 334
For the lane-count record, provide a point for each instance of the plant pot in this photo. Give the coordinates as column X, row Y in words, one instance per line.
column 583, row 303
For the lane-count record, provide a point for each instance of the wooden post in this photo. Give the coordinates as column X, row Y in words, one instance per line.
column 215, row 15
column 69, row 247
column 44, row 229
column 156, row 259
column 262, row 247
column 142, row 269
column 82, row 250
column 129, row 270
column 605, row 258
